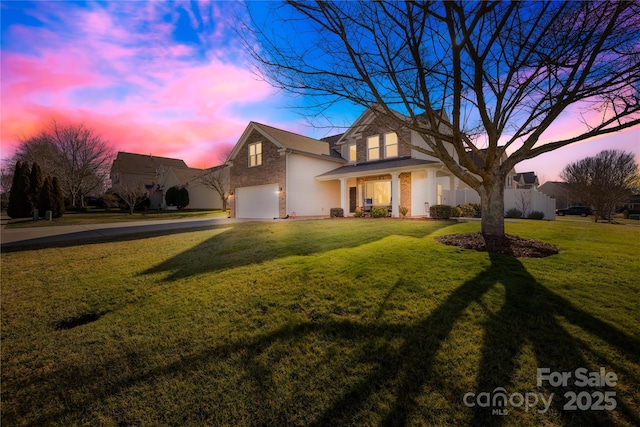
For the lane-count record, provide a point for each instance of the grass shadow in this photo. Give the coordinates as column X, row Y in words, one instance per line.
column 255, row 243
column 529, row 316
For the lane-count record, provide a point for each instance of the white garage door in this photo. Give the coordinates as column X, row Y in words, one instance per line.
column 260, row 201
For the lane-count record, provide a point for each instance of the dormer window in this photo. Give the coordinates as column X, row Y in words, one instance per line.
column 373, row 148
column 352, row 153
column 390, row 145
column 255, row 154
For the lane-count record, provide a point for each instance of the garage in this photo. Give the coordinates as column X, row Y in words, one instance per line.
column 260, row 201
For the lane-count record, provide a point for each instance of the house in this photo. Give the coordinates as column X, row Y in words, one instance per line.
column 275, row 173
column 201, row 196
column 272, row 174
column 157, row 174
column 559, row 191
column 525, row 180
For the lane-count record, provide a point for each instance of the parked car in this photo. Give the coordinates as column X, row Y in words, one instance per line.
column 575, row 210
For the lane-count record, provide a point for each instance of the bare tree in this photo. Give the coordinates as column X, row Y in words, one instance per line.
column 78, row 156
column 218, row 179
column 523, row 201
column 603, row 181
column 132, row 192
column 503, row 72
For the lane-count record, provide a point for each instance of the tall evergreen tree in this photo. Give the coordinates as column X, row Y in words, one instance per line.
column 36, row 180
column 19, row 203
column 58, row 196
column 45, row 199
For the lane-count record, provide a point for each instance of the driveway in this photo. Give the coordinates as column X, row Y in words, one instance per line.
column 61, row 235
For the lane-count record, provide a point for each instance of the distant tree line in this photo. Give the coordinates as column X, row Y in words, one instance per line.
column 603, row 182
column 74, row 153
column 30, row 190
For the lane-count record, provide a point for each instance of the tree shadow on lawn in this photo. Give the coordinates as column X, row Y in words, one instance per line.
column 400, row 374
column 240, row 246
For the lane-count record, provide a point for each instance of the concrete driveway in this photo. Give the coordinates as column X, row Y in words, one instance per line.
column 20, row 237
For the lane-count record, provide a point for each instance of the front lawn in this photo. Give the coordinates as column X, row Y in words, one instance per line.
column 321, row 322
column 101, row 216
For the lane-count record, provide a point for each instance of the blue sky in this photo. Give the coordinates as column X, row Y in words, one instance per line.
column 167, row 78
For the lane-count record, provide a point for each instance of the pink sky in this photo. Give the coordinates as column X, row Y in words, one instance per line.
column 166, row 79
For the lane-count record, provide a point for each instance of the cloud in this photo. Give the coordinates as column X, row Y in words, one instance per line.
column 127, row 70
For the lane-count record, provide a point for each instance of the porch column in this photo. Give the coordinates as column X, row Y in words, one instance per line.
column 344, row 203
column 452, row 191
column 432, row 188
column 395, row 194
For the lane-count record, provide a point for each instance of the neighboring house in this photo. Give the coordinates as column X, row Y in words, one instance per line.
column 275, row 173
column 200, row 195
column 632, row 206
column 525, row 180
column 557, row 190
column 158, row 174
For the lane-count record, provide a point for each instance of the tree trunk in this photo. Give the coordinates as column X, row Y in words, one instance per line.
column 492, row 208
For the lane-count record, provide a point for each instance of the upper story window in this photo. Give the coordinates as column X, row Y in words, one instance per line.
column 390, row 144
column 255, row 154
column 352, row 153
column 373, row 148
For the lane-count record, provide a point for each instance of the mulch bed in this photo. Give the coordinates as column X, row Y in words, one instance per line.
column 513, row 246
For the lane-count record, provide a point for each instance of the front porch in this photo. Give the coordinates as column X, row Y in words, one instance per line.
column 410, row 183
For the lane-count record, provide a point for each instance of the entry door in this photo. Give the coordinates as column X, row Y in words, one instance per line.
column 353, row 200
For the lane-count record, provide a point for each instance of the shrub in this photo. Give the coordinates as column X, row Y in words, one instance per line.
column 336, row 213
column 471, row 210
column 58, row 198
column 45, row 201
column 456, row 212
column 403, row 211
column 513, row 213
column 19, row 202
column 440, row 211
column 177, row 196
column 536, row 215
column 358, row 213
column 378, row 212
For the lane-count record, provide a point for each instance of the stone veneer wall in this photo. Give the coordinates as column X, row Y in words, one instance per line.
column 405, row 191
column 271, row 171
column 405, row 187
column 379, row 128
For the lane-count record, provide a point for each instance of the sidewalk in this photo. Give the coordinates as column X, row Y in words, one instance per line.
column 4, row 220
column 15, row 237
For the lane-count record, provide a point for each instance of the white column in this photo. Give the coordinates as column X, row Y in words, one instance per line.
column 452, row 191
column 395, row 194
column 344, row 203
column 432, row 187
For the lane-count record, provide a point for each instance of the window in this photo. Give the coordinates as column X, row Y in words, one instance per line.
column 373, row 148
column 379, row 192
column 352, row 152
column 391, row 145
column 255, row 154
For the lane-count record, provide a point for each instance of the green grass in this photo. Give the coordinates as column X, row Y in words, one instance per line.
column 319, row 322
column 101, row 216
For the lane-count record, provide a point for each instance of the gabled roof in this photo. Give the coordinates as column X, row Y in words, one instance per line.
column 187, row 175
column 369, row 115
column 286, row 140
column 143, row 163
column 528, row 177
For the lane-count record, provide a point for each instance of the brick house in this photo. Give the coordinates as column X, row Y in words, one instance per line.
column 275, row 173
column 272, row 174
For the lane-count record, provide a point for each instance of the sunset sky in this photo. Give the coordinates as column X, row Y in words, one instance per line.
column 167, row 78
